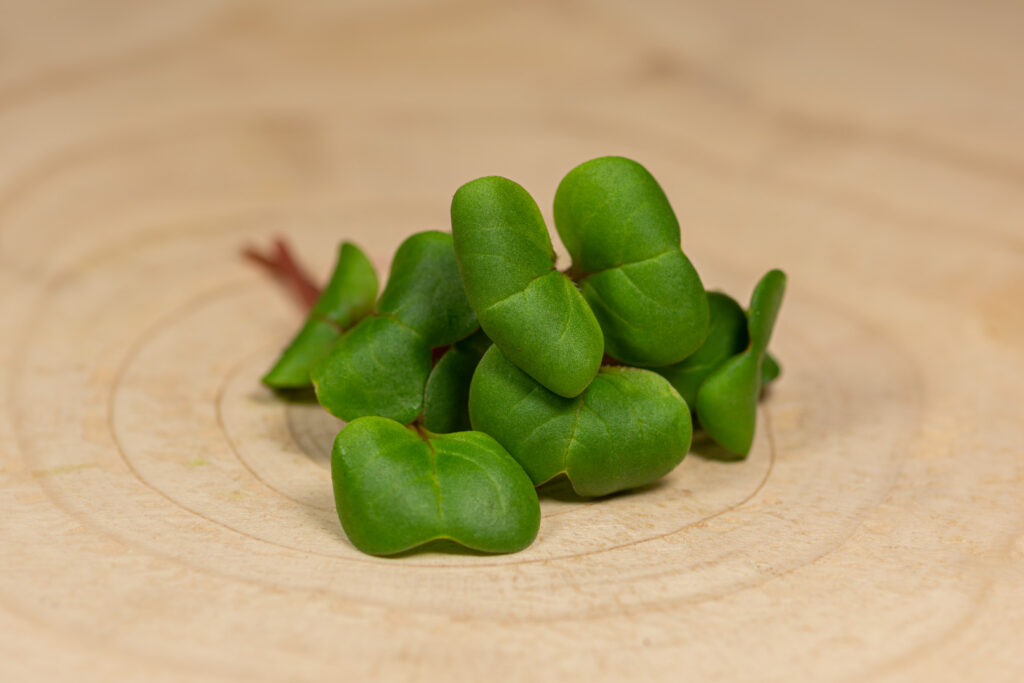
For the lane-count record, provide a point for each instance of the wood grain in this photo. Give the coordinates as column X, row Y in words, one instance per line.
column 162, row 517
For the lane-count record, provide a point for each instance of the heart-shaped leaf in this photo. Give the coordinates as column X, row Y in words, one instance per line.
column 396, row 489
column 727, row 399
column 629, row 427
column 623, row 236
column 531, row 311
column 381, row 366
column 347, row 298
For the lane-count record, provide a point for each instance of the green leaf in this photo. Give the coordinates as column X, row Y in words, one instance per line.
column 532, row 312
column 378, row 368
column 381, row 366
column 623, row 236
column 446, row 398
column 347, row 298
column 424, row 290
column 727, row 336
column 629, row 428
column 727, row 400
column 396, row 489
column 765, row 303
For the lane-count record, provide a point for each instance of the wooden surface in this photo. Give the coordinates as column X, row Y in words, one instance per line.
column 163, row 518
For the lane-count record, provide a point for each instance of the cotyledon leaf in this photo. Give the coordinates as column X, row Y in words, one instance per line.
column 531, row 311
column 629, row 428
column 727, row 399
column 424, row 291
column 397, row 488
column 381, row 366
column 623, row 236
column 446, row 397
column 347, row 298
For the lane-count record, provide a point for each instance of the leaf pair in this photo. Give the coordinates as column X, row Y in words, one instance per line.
column 531, row 311
column 396, row 488
column 381, row 366
column 642, row 301
column 627, row 429
column 623, row 236
column 723, row 379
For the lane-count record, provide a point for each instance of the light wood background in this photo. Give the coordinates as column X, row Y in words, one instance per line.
column 163, row 518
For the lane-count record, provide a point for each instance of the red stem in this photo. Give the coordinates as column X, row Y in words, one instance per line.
column 280, row 263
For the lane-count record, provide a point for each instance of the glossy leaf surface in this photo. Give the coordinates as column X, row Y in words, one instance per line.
column 347, row 298
column 531, row 311
column 727, row 400
column 629, row 428
column 623, row 236
column 396, row 489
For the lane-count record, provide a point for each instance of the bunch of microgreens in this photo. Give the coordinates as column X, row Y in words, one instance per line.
column 482, row 371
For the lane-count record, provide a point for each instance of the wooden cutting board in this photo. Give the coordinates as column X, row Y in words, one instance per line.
column 163, row 517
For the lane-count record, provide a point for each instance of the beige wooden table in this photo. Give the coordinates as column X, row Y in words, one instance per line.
column 163, row 518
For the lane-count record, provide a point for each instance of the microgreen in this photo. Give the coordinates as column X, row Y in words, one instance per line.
column 531, row 311
column 482, row 370
column 397, row 488
column 727, row 399
column 623, row 236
